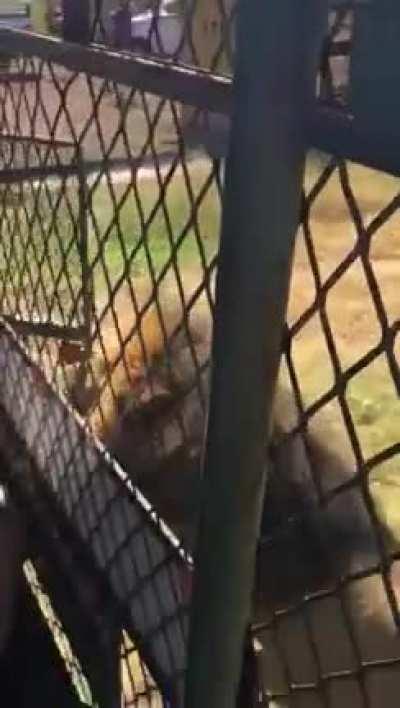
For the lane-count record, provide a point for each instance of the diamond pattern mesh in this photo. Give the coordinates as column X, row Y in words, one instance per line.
column 110, row 220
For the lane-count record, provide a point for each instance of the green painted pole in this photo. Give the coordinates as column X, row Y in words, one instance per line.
column 278, row 46
column 375, row 69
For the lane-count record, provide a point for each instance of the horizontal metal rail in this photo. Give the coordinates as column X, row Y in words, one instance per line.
column 22, row 174
column 338, row 133
column 330, row 130
column 44, row 142
column 192, row 86
column 88, row 167
column 15, row 77
column 46, row 329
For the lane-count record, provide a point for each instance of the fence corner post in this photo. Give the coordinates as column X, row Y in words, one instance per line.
column 278, row 45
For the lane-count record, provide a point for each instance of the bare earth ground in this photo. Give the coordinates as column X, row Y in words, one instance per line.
column 349, row 306
column 93, row 112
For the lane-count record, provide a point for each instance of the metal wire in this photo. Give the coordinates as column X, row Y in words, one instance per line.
column 110, row 221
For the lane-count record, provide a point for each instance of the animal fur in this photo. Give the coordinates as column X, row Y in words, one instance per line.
column 155, row 426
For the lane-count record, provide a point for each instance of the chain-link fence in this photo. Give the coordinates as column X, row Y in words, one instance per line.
column 110, row 215
column 200, row 34
column 151, row 220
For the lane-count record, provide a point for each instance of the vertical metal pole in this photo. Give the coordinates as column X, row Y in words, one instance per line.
column 87, row 275
column 375, row 69
column 278, row 46
column 76, row 21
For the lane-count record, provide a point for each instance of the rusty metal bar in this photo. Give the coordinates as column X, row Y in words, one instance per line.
column 89, row 167
column 329, row 130
column 273, row 86
column 39, row 141
column 31, row 174
column 45, row 329
column 13, row 77
column 62, row 172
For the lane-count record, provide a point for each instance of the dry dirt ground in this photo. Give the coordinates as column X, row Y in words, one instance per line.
column 350, row 309
column 66, row 107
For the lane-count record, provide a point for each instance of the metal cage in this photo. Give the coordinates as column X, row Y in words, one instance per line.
column 113, row 194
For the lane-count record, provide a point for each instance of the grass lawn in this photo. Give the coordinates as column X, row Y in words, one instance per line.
column 169, row 229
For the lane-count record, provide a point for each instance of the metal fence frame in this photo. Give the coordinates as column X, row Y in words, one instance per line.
column 328, row 128
column 267, row 127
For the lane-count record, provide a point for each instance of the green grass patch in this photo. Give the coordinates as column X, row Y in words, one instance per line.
column 40, row 263
column 372, row 189
column 146, row 234
column 375, row 408
column 128, row 234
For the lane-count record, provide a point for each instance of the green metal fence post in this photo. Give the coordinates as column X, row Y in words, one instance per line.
column 278, row 46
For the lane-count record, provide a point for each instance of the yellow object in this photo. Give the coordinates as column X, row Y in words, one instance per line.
column 40, row 16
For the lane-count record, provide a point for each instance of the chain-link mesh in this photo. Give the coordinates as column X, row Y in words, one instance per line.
column 151, row 211
column 116, row 512
column 44, row 605
column 199, row 34
column 326, row 629
column 202, row 34
column 335, row 584
column 43, row 238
